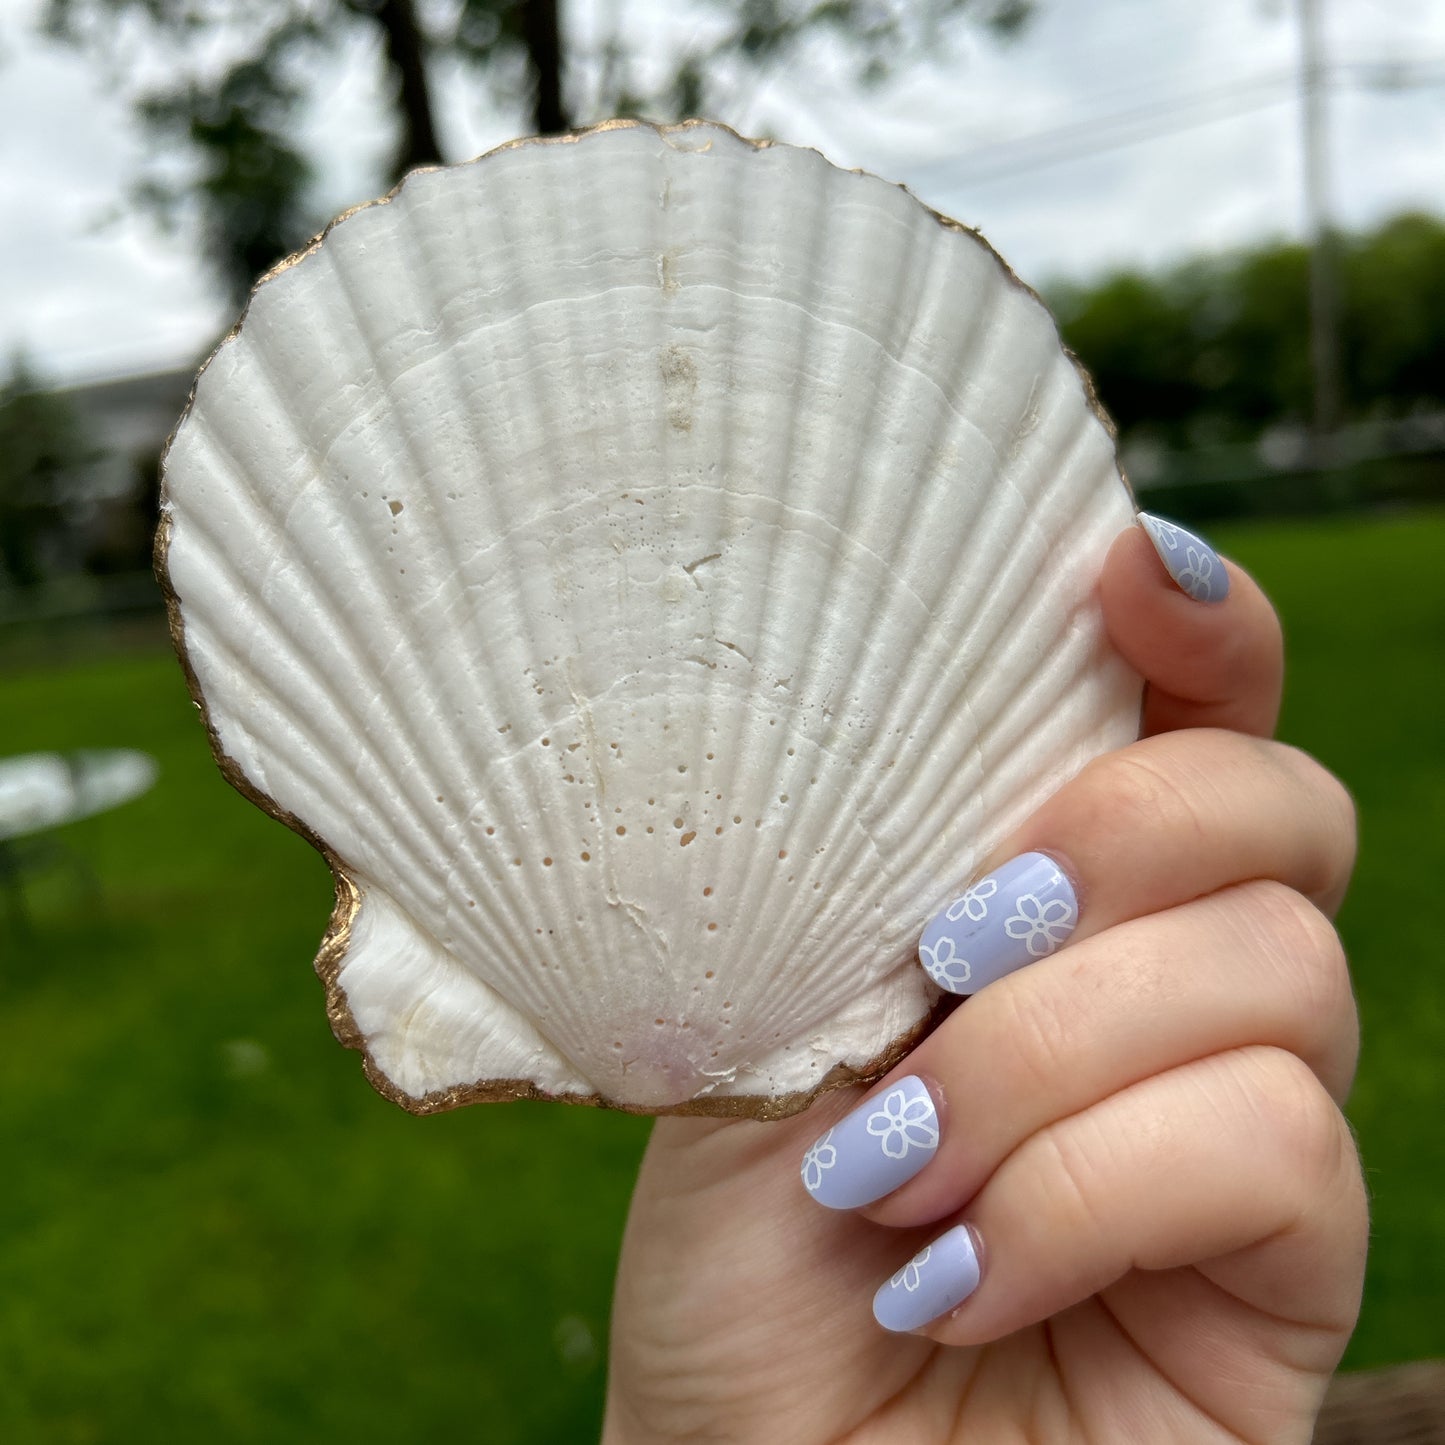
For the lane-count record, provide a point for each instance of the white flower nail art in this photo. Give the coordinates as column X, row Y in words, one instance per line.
column 1167, row 532
column 973, row 903
column 941, row 962
column 1196, row 576
column 1041, row 926
column 820, row 1157
column 909, row 1276
column 903, row 1123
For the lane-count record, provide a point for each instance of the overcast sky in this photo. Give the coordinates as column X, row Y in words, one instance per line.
column 1020, row 140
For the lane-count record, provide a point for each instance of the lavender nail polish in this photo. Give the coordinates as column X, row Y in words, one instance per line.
column 877, row 1147
column 1190, row 561
column 1021, row 912
column 937, row 1279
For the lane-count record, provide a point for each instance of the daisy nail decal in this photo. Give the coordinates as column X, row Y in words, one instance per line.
column 880, row 1145
column 1020, row 913
column 937, row 1279
column 1190, row 561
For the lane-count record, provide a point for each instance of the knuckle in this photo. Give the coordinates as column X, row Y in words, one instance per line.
column 1305, row 949
column 1132, row 795
column 1336, row 818
column 1290, row 923
column 1301, row 1128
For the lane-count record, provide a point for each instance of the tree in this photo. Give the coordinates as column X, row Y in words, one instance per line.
column 234, row 119
column 42, row 448
column 1218, row 349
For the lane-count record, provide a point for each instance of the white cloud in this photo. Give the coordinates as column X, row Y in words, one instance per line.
column 91, row 299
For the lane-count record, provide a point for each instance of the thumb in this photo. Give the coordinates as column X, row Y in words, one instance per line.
column 1208, row 664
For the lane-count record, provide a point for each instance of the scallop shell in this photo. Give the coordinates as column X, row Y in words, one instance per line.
column 655, row 568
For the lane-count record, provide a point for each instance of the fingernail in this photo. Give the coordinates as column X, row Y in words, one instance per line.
column 1019, row 913
column 879, row 1146
column 937, row 1279
column 1190, row 561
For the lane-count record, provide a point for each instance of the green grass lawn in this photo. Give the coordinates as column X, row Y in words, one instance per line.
column 1363, row 603
column 211, row 1228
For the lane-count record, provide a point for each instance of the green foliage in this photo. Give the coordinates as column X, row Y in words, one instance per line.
column 1394, row 285
column 42, row 445
column 1217, row 350
column 249, row 178
column 232, row 122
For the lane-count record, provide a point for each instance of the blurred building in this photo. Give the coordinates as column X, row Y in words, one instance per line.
column 131, row 416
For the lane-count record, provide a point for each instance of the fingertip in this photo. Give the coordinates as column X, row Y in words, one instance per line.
column 1192, row 564
column 1208, row 664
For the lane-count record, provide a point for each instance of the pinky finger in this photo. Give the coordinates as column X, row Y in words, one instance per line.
column 1239, row 1164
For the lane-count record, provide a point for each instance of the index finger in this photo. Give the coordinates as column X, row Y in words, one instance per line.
column 1209, row 664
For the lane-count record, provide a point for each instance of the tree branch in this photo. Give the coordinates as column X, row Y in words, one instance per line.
column 406, row 57
column 542, row 35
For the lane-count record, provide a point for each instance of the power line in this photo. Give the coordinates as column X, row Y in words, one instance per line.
column 1097, row 134
column 1108, row 132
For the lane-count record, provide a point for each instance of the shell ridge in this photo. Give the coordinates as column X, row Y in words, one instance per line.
column 573, row 1002
column 720, row 520
column 866, row 640
column 926, row 773
column 754, row 745
column 731, row 521
column 226, row 628
column 835, row 635
column 846, row 860
column 325, row 784
column 905, row 1015
column 981, row 640
column 514, row 979
column 493, row 905
column 974, row 641
column 1001, row 643
column 407, row 774
column 396, row 717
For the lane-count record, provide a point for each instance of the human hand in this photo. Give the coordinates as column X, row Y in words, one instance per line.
column 1141, row 1131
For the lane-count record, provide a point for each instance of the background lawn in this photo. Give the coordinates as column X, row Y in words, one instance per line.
column 211, row 1228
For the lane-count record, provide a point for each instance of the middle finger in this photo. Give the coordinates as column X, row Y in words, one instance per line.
column 1252, row 965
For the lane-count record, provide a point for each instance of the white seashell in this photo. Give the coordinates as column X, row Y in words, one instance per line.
column 655, row 569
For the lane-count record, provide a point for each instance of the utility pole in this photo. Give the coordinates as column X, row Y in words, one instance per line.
column 1324, row 287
